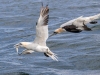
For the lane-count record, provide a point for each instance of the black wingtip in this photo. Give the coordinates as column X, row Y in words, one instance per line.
column 93, row 22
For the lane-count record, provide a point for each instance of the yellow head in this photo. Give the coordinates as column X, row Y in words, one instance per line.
column 21, row 44
column 57, row 31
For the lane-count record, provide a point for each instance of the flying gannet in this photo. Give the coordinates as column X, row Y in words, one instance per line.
column 77, row 25
column 39, row 44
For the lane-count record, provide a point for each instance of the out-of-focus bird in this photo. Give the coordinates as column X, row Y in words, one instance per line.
column 77, row 25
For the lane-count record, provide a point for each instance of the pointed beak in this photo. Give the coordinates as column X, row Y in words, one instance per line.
column 53, row 34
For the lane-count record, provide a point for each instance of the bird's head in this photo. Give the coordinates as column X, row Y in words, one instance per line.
column 57, row 31
column 21, row 44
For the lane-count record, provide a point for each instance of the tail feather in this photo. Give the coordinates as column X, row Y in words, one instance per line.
column 54, row 57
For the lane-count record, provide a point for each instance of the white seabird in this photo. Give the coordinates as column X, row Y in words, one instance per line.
column 39, row 44
column 77, row 25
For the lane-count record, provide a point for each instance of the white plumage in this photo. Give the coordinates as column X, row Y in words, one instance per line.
column 80, row 20
column 39, row 44
column 77, row 25
column 71, row 21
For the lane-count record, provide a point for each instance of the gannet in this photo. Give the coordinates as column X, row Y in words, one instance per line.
column 77, row 25
column 39, row 44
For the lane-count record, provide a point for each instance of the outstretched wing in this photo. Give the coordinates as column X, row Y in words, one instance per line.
column 86, row 20
column 42, row 27
column 79, row 21
column 82, row 21
column 91, row 18
column 70, row 22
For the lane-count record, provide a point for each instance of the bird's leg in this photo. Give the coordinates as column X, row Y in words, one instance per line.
column 85, row 27
column 46, row 54
column 26, row 52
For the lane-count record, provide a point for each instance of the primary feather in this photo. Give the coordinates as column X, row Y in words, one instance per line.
column 42, row 27
column 39, row 44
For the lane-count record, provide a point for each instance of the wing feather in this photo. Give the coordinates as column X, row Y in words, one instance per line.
column 91, row 18
column 42, row 27
column 70, row 22
column 79, row 21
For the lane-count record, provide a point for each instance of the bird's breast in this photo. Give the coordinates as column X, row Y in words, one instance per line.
column 31, row 46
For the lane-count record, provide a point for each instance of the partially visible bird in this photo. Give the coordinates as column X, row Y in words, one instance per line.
column 39, row 44
column 77, row 25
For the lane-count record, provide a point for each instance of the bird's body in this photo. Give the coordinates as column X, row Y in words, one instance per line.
column 39, row 43
column 71, row 28
column 77, row 25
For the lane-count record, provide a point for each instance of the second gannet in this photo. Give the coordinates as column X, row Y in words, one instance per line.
column 77, row 25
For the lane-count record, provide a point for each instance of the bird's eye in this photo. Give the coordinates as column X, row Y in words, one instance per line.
column 20, row 43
